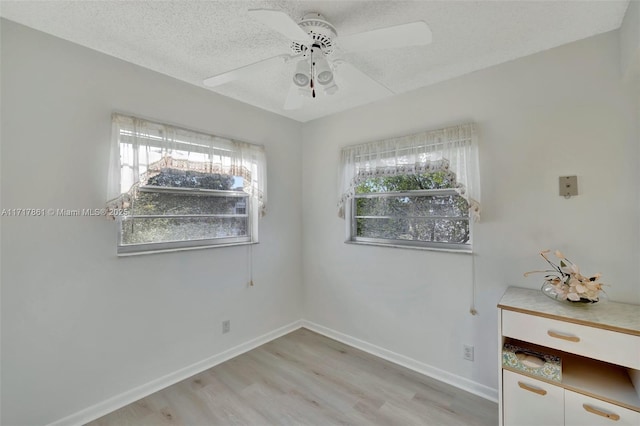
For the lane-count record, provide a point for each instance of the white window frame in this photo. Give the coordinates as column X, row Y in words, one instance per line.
column 220, row 155
column 186, row 244
column 452, row 150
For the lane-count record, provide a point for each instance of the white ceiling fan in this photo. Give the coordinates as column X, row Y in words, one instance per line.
column 314, row 42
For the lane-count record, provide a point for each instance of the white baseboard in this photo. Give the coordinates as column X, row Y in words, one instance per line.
column 98, row 410
column 410, row 363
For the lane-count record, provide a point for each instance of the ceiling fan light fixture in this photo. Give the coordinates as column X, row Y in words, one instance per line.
column 325, row 77
column 323, row 71
column 301, row 77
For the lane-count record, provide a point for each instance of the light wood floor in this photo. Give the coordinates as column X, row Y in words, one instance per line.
column 304, row 378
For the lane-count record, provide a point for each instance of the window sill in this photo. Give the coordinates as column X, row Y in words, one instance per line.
column 170, row 250
column 400, row 246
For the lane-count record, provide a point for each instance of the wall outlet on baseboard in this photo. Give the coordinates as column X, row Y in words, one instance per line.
column 226, row 326
column 468, row 352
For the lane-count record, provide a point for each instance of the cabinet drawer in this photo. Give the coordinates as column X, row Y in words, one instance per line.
column 610, row 346
column 581, row 410
column 530, row 402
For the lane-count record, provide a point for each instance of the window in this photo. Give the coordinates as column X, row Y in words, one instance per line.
column 178, row 188
column 420, row 210
column 405, row 192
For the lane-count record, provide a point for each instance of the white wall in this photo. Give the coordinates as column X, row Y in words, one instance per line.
column 630, row 42
column 560, row 112
column 80, row 325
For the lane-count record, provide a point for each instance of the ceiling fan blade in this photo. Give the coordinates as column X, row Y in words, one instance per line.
column 244, row 71
column 294, row 98
column 351, row 77
column 412, row 34
column 279, row 21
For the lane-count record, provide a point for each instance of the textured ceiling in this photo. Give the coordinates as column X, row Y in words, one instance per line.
column 193, row 40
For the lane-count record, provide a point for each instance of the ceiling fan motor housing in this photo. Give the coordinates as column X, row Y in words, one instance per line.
column 321, row 31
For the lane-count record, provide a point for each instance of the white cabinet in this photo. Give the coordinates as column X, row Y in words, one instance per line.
column 578, row 339
column 600, row 351
column 530, row 402
column 581, row 410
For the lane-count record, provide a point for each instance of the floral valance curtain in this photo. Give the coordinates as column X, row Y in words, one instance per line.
column 141, row 149
column 453, row 149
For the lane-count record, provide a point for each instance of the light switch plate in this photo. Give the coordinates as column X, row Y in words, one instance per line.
column 568, row 186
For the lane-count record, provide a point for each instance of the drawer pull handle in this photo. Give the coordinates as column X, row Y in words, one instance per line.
column 532, row 389
column 594, row 410
column 563, row 336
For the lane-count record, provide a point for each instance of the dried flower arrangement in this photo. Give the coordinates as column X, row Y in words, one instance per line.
column 565, row 282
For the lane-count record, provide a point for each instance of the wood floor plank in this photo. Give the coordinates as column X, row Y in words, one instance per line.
column 304, row 378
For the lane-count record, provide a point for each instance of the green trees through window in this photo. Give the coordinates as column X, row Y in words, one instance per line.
column 413, row 209
column 434, row 180
column 177, row 205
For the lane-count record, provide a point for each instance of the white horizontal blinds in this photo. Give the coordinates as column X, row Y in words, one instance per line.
column 142, row 148
column 453, row 149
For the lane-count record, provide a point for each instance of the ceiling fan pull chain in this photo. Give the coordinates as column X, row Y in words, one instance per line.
column 313, row 90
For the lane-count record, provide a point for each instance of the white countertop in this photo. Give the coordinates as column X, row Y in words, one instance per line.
column 621, row 317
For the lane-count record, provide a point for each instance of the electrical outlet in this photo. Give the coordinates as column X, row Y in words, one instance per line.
column 468, row 352
column 226, row 326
